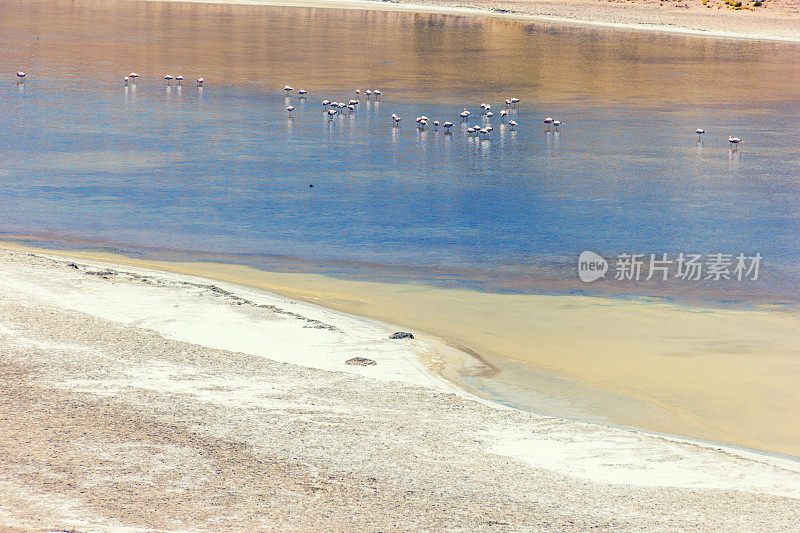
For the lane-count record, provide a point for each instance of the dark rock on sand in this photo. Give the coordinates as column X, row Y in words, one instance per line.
column 401, row 335
column 360, row 361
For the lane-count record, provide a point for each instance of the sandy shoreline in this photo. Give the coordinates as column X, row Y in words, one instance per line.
column 712, row 374
column 124, row 407
column 779, row 21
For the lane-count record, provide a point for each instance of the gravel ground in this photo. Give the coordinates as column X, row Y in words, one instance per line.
column 105, row 425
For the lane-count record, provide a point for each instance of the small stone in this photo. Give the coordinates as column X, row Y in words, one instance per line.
column 360, row 361
column 401, row 335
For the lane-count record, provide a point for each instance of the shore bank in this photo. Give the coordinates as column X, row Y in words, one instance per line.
column 713, row 374
column 110, row 420
column 772, row 20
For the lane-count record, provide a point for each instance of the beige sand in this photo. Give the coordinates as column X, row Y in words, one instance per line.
column 722, row 375
column 106, row 425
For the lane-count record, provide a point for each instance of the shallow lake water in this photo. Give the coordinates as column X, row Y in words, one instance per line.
column 226, row 172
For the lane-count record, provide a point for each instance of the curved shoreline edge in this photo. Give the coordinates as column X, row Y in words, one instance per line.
column 556, row 13
column 716, row 375
column 445, row 364
column 116, row 413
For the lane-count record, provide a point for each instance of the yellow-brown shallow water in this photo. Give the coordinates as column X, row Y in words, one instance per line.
column 721, row 375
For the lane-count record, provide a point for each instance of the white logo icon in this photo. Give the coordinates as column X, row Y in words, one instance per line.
column 591, row 266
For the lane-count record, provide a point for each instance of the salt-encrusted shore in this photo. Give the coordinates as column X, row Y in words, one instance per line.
column 146, row 400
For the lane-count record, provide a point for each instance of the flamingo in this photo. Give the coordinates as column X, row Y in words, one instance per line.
column 512, row 124
column 353, row 102
column 358, row 91
column 447, row 126
column 699, row 132
column 179, row 79
column 514, row 102
column 168, row 78
column 464, row 115
column 734, row 141
column 489, row 114
column 200, row 81
column 557, row 123
column 290, row 109
column 503, row 114
column 127, row 80
column 288, row 89
column 326, row 103
column 422, row 124
column 302, row 92
column 508, row 102
column 368, row 93
column 396, row 120
column 548, row 121
column 436, row 125
column 351, row 107
column 331, row 113
column 133, row 76
column 470, row 131
column 377, row 94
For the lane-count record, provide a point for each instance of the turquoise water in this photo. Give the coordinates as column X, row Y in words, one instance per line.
column 224, row 173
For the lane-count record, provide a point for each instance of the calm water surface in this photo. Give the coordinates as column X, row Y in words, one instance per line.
column 224, row 173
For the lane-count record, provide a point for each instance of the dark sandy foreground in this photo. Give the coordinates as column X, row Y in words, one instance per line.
column 105, row 425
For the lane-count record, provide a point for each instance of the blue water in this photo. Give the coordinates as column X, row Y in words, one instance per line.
column 225, row 172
